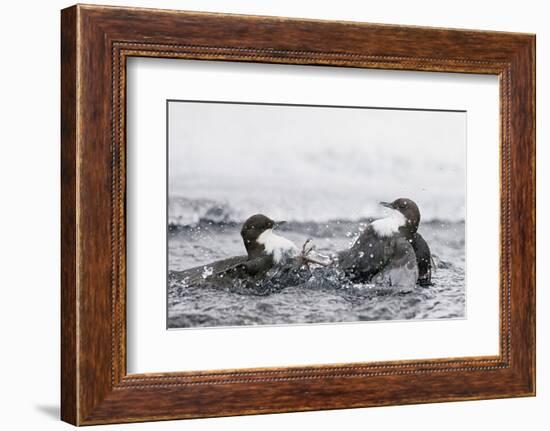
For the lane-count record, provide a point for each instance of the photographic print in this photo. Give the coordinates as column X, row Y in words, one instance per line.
column 299, row 214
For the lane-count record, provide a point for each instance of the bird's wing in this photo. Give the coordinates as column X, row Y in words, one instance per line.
column 197, row 274
column 402, row 270
column 368, row 255
column 258, row 265
column 239, row 268
column 424, row 259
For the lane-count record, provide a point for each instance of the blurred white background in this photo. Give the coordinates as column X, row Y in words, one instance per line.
column 29, row 216
column 304, row 163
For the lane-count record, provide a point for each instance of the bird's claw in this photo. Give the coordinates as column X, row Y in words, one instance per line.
column 307, row 248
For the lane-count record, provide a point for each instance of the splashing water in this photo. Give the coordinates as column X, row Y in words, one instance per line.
column 295, row 296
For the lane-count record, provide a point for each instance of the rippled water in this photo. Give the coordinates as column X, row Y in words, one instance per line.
column 319, row 295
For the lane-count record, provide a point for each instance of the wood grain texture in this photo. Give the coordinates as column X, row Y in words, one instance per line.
column 69, row 397
column 96, row 41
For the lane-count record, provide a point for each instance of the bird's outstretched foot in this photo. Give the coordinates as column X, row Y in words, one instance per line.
column 305, row 255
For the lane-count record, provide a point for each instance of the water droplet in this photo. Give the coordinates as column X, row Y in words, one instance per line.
column 207, row 272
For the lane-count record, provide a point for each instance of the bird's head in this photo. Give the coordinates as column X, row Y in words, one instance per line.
column 254, row 226
column 409, row 209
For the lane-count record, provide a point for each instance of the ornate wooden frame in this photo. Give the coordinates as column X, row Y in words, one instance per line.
column 95, row 42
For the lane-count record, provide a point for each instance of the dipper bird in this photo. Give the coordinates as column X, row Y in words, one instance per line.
column 265, row 249
column 390, row 251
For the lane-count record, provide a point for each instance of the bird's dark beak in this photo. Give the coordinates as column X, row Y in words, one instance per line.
column 279, row 223
column 386, row 204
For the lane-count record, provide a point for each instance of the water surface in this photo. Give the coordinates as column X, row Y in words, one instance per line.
column 319, row 295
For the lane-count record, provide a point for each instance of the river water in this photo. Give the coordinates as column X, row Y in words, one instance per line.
column 316, row 296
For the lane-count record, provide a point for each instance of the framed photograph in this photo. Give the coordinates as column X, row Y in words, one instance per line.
column 299, row 190
column 264, row 215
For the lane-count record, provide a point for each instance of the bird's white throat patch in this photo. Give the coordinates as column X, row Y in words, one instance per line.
column 389, row 225
column 277, row 246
